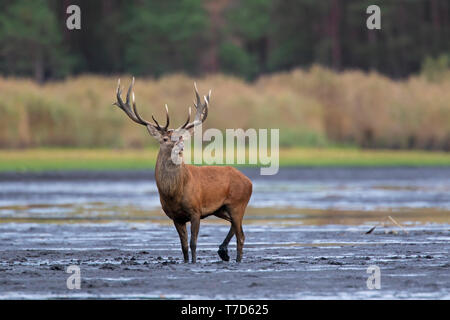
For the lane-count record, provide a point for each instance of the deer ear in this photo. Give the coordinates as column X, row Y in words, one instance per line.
column 154, row 132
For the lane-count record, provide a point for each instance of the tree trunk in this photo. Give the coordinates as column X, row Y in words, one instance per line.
column 335, row 17
column 39, row 66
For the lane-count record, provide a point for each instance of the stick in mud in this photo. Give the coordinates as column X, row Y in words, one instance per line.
column 397, row 224
column 392, row 220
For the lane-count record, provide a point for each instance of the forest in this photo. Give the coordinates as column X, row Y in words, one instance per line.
column 311, row 68
column 243, row 38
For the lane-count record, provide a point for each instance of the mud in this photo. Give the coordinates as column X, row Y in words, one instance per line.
column 305, row 237
column 143, row 260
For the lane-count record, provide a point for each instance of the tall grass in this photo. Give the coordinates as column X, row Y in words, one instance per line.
column 317, row 107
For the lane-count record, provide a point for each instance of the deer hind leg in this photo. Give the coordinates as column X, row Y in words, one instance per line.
column 240, row 238
column 237, row 214
column 223, row 248
column 182, row 232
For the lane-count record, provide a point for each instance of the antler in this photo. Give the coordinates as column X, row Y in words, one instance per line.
column 133, row 113
column 201, row 111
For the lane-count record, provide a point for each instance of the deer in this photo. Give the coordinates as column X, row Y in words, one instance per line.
column 189, row 193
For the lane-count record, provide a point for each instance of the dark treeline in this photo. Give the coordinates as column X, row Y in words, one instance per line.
column 244, row 38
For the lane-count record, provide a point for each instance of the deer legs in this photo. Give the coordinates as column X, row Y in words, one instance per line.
column 182, row 232
column 195, row 226
column 235, row 229
column 236, row 224
column 223, row 248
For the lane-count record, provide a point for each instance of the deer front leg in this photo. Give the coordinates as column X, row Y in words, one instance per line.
column 195, row 226
column 182, row 232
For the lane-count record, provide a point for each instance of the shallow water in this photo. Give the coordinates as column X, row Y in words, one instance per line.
column 294, row 195
column 305, row 237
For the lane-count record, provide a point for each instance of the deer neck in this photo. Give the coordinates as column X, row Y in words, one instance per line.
column 170, row 177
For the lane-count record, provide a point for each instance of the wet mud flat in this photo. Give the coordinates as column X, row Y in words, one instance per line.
column 143, row 260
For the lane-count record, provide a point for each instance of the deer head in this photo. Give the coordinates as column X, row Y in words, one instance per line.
column 170, row 140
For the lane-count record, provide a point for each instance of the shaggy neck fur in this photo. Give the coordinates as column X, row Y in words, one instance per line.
column 170, row 177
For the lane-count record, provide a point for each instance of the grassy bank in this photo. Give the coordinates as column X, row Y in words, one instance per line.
column 102, row 159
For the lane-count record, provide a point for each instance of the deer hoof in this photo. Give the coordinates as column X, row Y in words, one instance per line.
column 223, row 254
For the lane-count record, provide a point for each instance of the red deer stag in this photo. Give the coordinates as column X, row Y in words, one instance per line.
column 189, row 193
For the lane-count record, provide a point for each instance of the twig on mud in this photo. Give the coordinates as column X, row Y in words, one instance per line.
column 383, row 224
column 397, row 224
column 371, row 229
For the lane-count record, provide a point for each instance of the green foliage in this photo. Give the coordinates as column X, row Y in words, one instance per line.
column 436, row 69
column 250, row 20
column 164, row 36
column 235, row 60
column 30, row 40
column 290, row 137
column 241, row 37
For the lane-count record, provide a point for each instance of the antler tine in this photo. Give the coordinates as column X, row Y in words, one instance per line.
column 130, row 89
column 201, row 109
column 207, row 98
column 133, row 114
column 143, row 121
column 157, row 124
column 197, row 96
column 205, row 113
column 125, row 106
column 167, row 118
column 187, row 120
column 133, row 98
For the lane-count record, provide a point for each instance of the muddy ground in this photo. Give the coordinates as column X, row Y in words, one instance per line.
column 143, row 260
column 305, row 237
